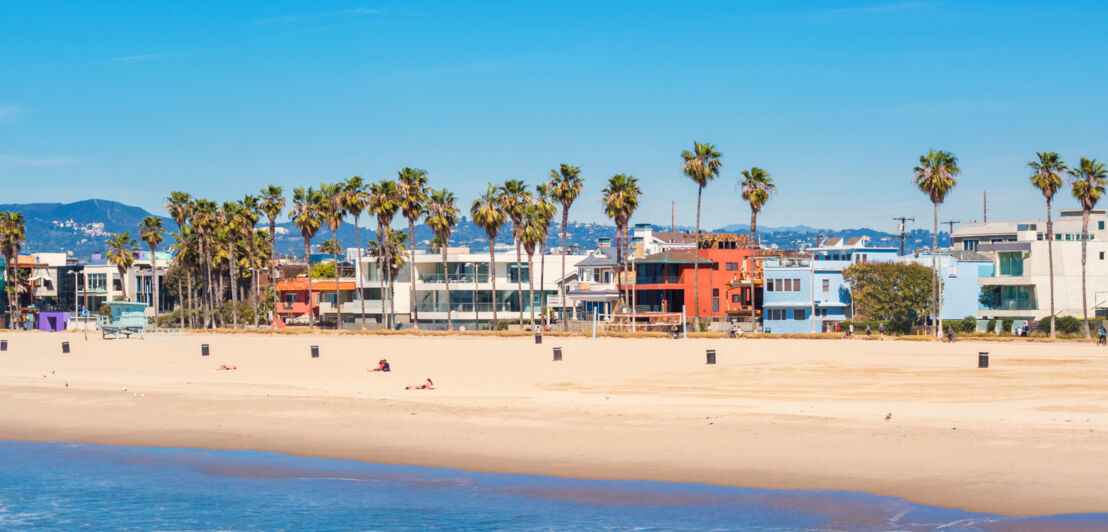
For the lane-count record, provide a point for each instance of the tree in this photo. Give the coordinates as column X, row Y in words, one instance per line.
column 1088, row 185
column 152, row 233
column 272, row 203
column 1047, row 177
column 565, row 185
column 390, row 255
column 413, row 200
column 248, row 211
column 13, row 234
column 232, row 228
column 889, row 291
column 186, row 258
column 936, row 176
column 305, row 215
column 204, row 222
column 620, row 199
column 384, row 201
column 355, row 198
column 514, row 198
column 701, row 165
column 530, row 235
column 757, row 186
column 442, row 216
column 488, row 215
column 179, row 206
column 121, row 253
column 546, row 210
column 331, row 208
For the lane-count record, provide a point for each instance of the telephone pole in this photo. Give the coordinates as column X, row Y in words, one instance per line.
column 985, row 206
column 672, row 215
column 902, row 220
column 950, row 234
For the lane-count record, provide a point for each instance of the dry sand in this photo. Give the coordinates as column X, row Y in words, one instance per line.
column 1028, row 436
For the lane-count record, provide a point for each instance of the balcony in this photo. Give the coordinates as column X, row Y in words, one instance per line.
column 658, row 279
column 438, row 278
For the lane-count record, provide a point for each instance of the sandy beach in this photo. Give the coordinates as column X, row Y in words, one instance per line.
column 1028, row 436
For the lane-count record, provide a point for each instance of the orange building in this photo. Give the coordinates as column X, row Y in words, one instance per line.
column 294, row 298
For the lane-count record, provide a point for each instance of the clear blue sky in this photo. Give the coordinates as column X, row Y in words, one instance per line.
column 836, row 99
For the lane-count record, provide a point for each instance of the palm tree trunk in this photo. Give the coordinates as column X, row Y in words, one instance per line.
column 308, row 254
column 273, row 269
column 565, row 222
column 388, row 276
column 180, row 303
column 209, row 311
column 411, row 270
column 192, row 321
column 254, row 278
column 381, row 276
column 232, row 272
column 492, row 279
column 754, row 228
column 519, row 281
column 1084, row 246
column 361, row 290
column 154, row 274
column 449, row 320
column 1050, row 261
column 338, row 301
column 531, row 288
column 542, row 284
column 696, row 265
column 935, row 276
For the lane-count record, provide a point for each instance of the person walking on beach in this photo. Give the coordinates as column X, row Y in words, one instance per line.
column 850, row 330
column 1101, row 336
column 950, row 333
column 868, row 331
column 734, row 330
column 881, row 331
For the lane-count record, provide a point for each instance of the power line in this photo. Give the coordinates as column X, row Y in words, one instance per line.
column 902, row 220
column 950, row 234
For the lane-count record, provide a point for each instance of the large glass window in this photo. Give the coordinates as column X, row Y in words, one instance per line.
column 1011, row 263
column 1007, row 298
column 514, row 275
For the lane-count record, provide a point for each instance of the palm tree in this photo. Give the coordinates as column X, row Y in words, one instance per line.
column 390, row 254
column 248, row 211
column 179, row 206
column 621, row 198
column 13, row 234
column 546, row 210
column 384, row 201
column 305, row 215
column 355, row 198
column 936, row 176
column 272, row 203
column 413, row 204
column 232, row 228
column 565, row 185
column 757, row 186
column 442, row 216
column 1048, row 179
column 185, row 255
column 333, row 214
column 121, row 253
column 701, row 165
column 1088, row 185
column 204, row 221
column 487, row 214
column 532, row 232
column 514, row 198
column 151, row 233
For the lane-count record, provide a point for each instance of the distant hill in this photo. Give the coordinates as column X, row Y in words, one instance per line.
column 81, row 228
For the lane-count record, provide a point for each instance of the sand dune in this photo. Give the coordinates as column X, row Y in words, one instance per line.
column 1029, row 435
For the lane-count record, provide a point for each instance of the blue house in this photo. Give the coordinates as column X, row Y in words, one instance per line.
column 808, row 294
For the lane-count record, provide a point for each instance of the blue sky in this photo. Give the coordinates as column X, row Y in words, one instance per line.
column 836, row 99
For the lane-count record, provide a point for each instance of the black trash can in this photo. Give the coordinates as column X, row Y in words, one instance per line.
column 203, row 350
column 557, row 354
column 538, row 337
column 983, row 359
column 3, row 345
column 315, row 351
column 711, row 356
column 65, row 347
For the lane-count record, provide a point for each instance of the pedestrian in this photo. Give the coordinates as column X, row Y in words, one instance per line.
column 850, row 330
column 950, row 333
column 734, row 330
column 867, row 330
column 881, row 330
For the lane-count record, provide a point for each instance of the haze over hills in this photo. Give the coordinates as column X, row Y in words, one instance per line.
column 81, row 228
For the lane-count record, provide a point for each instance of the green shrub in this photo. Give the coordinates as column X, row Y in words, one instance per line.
column 1063, row 324
column 990, row 326
column 968, row 324
column 1006, row 324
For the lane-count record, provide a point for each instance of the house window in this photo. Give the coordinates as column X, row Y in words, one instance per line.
column 734, row 266
column 715, row 292
column 715, row 304
column 1100, row 225
column 779, row 284
column 798, row 314
column 290, row 299
column 769, row 285
column 735, row 297
column 796, row 285
column 969, row 245
column 1101, row 255
column 827, row 285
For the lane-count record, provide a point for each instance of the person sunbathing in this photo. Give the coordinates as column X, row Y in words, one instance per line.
column 383, row 365
column 225, row 367
column 425, row 386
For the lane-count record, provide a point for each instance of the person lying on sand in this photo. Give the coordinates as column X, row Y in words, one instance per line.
column 425, row 386
column 383, row 365
column 225, row 367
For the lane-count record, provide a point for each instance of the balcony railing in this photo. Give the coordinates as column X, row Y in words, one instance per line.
column 454, row 278
column 465, row 307
column 658, row 279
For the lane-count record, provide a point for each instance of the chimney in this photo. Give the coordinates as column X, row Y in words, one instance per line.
column 604, row 242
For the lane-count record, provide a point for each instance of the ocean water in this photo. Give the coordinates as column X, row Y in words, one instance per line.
column 72, row 486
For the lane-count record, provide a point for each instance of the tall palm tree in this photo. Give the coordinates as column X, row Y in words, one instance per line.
column 179, row 205
column 514, row 198
column 186, row 255
column 757, row 186
column 442, row 216
column 1088, row 185
column 384, row 202
column 355, row 198
column 1047, row 177
column 546, row 210
column 390, row 254
column 152, row 233
column 13, row 234
column 936, row 176
column 204, row 220
column 488, row 215
column 248, row 211
column 121, row 253
column 413, row 204
column 333, row 213
column 565, row 185
column 702, row 166
column 306, row 216
column 232, row 229
column 620, row 199
column 530, row 235
column 272, row 203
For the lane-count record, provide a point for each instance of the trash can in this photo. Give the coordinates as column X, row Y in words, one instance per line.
column 538, row 337
column 983, row 359
column 3, row 345
column 557, row 354
column 315, row 351
column 203, row 350
column 711, row 356
column 65, row 347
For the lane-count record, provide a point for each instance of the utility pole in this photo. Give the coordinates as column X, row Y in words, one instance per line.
column 951, row 233
column 985, row 204
column 672, row 215
column 902, row 220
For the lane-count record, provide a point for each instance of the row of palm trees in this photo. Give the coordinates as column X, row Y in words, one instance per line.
column 937, row 174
